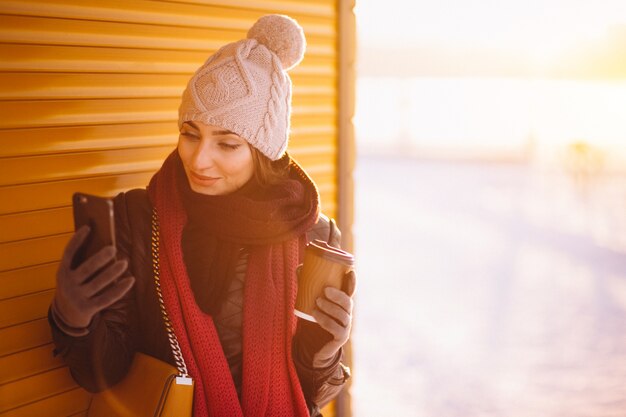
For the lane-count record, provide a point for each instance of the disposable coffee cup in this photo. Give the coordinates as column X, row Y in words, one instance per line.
column 323, row 266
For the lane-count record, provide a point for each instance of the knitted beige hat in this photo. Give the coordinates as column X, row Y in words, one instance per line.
column 244, row 86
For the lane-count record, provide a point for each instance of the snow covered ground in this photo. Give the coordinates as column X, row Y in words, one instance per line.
column 488, row 290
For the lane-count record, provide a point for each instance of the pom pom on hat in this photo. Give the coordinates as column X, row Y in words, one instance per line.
column 281, row 35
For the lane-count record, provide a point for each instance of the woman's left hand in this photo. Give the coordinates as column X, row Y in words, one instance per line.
column 334, row 314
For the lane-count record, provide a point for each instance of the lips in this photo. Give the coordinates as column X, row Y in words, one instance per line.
column 202, row 179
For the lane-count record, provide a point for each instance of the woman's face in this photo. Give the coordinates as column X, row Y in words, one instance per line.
column 216, row 160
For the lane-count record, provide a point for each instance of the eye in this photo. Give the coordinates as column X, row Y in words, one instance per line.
column 229, row 146
column 190, row 135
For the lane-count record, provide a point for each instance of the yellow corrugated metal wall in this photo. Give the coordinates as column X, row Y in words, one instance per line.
column 89, row 91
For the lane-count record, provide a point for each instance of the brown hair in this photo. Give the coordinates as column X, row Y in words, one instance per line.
column 268, row 172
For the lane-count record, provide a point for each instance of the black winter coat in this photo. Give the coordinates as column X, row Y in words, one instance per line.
column 102, row 357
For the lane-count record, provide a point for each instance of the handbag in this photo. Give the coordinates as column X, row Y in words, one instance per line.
column 151, row 387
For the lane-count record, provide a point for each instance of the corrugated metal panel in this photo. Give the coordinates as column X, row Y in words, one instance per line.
column 28, row 362
column 35, row 388
column 317, row 18
column 30, row 86
column 89, row 92
column 57, row 194
column 28, row 335
column 17, row 282
column 63, row 404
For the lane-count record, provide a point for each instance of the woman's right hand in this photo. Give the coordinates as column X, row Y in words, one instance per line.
column 88, row 289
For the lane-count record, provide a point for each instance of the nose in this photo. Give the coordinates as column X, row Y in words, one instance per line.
column 202, row 157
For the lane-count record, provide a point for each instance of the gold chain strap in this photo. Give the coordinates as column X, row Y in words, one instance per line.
column 178, row 355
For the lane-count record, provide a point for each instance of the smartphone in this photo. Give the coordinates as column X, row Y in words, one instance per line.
column 97, row 213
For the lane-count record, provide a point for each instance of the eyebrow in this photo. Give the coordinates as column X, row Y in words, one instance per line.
column 221, row 132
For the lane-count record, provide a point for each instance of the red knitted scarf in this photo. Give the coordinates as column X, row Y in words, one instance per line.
column 270, row 385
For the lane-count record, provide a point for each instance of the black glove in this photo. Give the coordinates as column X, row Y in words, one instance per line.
column 91, row 287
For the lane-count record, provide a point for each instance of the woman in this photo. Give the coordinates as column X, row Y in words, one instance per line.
column 234, row 214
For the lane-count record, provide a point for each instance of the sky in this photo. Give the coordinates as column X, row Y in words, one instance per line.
column 569, row 37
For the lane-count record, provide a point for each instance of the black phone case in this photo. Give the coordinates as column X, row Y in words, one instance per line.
column 97, row 213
